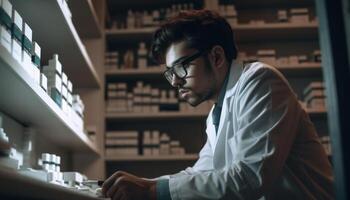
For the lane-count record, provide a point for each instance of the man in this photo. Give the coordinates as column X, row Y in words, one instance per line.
column 261, row 143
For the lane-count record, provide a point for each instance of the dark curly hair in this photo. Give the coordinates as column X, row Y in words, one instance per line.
column 201, row 29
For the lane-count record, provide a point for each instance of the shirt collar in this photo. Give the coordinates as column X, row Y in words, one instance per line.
column 222, row 92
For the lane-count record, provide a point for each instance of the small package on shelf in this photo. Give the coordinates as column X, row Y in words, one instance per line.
column 27, row 46
column 231, row 15
column 142, row 56
column 314, row 95
column 122, row 143
column 316, row 56
column 130, row 20
column 36, row 61
column 147, row 143
column 282, row 16
column 299, row 16
column 164, row 144
column 5, row 24
column 53, row 72
column 267, row 56
column 112, row 60
column 17, row 32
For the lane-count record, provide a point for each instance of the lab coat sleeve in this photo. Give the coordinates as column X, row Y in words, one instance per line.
column 265, row 113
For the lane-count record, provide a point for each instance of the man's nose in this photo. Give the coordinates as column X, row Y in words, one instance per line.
column 176, row 81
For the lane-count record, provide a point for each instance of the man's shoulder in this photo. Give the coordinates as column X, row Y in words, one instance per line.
column 259, row 70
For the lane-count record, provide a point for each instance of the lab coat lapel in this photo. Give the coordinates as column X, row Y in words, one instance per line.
column 211, row 130
column 234, row 74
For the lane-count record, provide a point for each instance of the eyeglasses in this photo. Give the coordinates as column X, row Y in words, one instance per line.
column 179, row 68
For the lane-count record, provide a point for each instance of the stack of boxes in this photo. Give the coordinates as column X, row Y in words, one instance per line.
column 53, row 72
column 142, row 56
column 230, row 13
column 77, row 114
column 128, row 59
column 122, row 143
column 144, row 98
column 299, row 16
column 157, row 144
column 282, row 16
column 6, row 24
column 112, row 60
column 148, row 18
column 269, row 56
column 117, row 97
column 51, row 164
column 314, row 96
column 60, row 90
column 127, row 143
column 17, row 32
column 150, row 143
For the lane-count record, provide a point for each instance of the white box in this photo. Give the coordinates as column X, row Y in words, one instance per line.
column 43, row 81
column 36, row 49
column 35, row 74
column 70, row 86
column 7, row 7
column 27, row 31
column 55, row 81
column 65, row 106
column 26, row 61
column 64, row 92
column 64, row 79
column 5, row 38
column 75, row 177
column 17, row 20
column 55, row 65
column 16, row 50
column 299, row 16
column 70, row 98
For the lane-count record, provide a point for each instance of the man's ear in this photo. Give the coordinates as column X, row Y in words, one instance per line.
column 218, row 56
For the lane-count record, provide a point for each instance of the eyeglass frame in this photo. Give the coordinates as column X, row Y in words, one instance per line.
column 184, row 64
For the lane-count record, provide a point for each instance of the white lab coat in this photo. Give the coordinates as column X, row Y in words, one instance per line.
column 266, row 147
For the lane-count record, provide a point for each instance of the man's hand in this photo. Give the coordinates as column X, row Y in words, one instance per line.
column 124, row 186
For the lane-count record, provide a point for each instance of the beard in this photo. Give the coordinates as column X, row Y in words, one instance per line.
column 196, row 98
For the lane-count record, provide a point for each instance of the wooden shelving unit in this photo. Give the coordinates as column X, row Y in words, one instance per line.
column 35, row 189
column 28, row 103
column 153, row 158
column 243, row 32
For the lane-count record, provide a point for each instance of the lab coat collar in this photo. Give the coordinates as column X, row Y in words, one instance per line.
column 235, row 72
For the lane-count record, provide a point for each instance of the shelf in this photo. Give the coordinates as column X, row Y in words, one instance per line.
column 25, row 101
column 300, row 69
column 57, row 34
column 153, row 158
column 159, row 115
column 135, row 34
column 304, row 69
column 243, row 32
column 85, row 18
column 316, row 112
column 176, row 114
column 275, row 31
column 150, row 71
column 30, row 188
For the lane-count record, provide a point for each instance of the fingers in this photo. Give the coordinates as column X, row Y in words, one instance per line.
column 110, row 181
column 117, row 185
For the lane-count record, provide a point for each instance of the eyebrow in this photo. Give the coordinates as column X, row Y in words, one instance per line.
column 178, row 61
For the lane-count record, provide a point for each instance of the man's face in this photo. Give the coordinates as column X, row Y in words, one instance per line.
column 199, row 84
